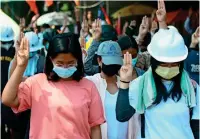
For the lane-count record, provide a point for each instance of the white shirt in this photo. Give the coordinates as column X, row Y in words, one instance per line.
column 170, row 119
column 116, row 129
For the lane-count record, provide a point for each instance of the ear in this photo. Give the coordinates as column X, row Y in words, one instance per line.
column 99, row 61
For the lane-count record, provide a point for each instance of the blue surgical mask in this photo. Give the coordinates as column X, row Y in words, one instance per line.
column 134, row 61
column 64, row 72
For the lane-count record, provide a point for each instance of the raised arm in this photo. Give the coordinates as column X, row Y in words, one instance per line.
column 124, row 111
column 161, row 14
column 9, row 96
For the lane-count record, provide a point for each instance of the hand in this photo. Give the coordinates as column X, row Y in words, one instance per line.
column 97, row 30
column 18, row 42
column 161, row 12
column 22, row 24
column 195, row 38
column 126, row 71
column 190, row 12
column 77, row 14
column 133, row 23
column 23, row 53
column 82, row 42
column 144, row 26
column 84, row 28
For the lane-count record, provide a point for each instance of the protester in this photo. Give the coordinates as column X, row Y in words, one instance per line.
column 107, row 82
column 128, row 44
column 101, row 33
column 192, row 62
column 61, row 100
column 8, row 119
column 164, row 94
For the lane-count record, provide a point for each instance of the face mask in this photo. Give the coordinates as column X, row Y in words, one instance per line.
column 167, row 73
column 6, row 46
column 64, row 72
column 110, row 70
column 134, row 61
column 32, row 54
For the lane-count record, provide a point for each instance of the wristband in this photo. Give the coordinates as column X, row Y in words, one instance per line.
column 124, row 81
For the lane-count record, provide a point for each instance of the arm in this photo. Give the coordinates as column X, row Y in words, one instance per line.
column 91, row 69
column 124, row 111
column 9, row 96
column 196, row 115
column 96, row 132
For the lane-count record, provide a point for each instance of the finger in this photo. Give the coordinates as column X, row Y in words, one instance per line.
column 129, row 59
column 158, row 4
column 163, row 5
column 22, row 44
column 125, row 59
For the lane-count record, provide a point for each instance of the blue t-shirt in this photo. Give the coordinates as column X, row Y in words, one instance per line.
column 191, row 64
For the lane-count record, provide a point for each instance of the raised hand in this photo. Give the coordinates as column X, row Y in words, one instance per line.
column 144, row 26
column 126, row 71
column 84, row 28
column 22, row 23
column 195, row 38
column 23, row 53
column 97, row 30
column 161, row 12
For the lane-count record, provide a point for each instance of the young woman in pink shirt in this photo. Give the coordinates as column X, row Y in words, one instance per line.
column 63, row 104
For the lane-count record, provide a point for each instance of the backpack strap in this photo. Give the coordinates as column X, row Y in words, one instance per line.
column 142, row 126
column 40, row 64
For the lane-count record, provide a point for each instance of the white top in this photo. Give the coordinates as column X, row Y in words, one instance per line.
column 170, row 119
column 116, row 129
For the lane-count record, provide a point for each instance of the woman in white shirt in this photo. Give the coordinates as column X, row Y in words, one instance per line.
column 164, row 95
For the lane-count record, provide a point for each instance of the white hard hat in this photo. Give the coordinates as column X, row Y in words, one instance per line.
column 34, row 43
column 168, row 46
column 6, row 33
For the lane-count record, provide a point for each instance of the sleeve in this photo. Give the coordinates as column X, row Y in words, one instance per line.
column 89, row 68
column 196, row 112
column 187, row 25
column 140, row 62
column 124, row 111
column 9, row 68
column 96, row 113
column 24, row 96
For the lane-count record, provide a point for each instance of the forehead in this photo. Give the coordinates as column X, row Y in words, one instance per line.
column 65, row 58
column 130, row 50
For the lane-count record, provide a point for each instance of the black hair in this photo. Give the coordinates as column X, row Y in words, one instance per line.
column 162, row 93
column 147, row 39
column 64, row 43
column 125, row 42
column 45, row 26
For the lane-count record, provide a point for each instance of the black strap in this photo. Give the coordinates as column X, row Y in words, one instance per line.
column 142, row 126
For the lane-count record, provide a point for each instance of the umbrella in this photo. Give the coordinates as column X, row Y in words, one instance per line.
column 55, row 18
column 6, row 20
column 136, row 9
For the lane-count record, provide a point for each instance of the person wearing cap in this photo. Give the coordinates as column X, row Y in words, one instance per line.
column 128, row 44
column 164, row 94
column 109, row 56
column 36, row 61
column 8, row 118
column 101, row 33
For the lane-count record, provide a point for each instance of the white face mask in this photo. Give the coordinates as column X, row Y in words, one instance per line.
column 6, row 46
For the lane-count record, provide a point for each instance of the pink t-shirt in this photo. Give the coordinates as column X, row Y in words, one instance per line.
column 60, row 110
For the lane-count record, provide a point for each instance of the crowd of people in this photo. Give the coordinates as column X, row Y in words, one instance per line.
column 95, row 84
